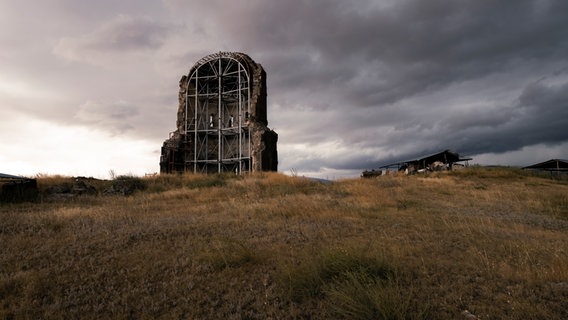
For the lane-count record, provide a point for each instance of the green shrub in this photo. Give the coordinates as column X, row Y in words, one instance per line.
column 227, row 253
column 125, row 185
column 163, row 182
column 309, row 278
column 353, row 285
column 359, row 295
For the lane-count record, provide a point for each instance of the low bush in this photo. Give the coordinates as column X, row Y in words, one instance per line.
column 125, row 185
column 312, row 274
column 227, row 253
column 359, row 295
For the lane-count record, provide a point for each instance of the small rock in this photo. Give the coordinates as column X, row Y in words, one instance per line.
column 468, row 315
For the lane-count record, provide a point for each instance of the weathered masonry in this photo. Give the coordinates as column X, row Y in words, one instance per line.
column 17, row 189
column 221, row 119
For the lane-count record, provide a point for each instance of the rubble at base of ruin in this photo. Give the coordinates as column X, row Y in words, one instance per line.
column 222, row 123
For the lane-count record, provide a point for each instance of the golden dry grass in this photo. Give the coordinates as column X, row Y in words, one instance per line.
column 490, row 241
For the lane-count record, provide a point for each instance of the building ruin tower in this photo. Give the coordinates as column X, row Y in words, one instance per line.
column 221, row 119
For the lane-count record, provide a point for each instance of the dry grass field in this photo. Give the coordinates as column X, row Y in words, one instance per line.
column 481, row 243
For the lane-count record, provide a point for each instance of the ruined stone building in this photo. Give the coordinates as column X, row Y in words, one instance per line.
column 222, row 119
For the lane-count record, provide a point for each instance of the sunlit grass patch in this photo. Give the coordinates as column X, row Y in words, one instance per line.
column 277, row 184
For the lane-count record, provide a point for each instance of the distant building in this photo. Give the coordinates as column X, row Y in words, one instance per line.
column 221, row 119
column 552, row 165
column 445, row 160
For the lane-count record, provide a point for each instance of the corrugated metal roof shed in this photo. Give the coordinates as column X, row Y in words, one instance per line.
column 446, row 156
column 550, row 165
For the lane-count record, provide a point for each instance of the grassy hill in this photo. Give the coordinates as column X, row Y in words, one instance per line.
column 484, row 242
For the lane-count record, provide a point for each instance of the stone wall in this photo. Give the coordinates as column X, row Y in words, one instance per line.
column 18, row 190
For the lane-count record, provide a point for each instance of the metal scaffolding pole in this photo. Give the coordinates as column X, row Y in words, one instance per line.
column 196, row 122
column 219, row 91
column 214, row 82
column 240, row 131
column 248, row 127
column 185, row 129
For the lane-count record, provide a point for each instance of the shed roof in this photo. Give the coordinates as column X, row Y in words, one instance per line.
column 446, row 156
column 550, row 165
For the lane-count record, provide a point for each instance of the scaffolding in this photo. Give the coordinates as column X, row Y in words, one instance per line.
column 217, row 109
column 221, row 125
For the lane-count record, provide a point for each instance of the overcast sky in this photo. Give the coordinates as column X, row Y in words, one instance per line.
column 91, row 86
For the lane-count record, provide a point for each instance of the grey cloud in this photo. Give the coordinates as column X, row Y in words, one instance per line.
column 411, row 50
column 115, row 117
column 121, row 35
column 410, row 47
column 351, row 86
column 545, row 112
column 539, row 116
column 553, row 97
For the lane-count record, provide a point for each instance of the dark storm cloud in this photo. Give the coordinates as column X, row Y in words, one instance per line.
column 381, row 54
column 350, row 85
column 338, row 60
column 539, row 116
column 382, row 78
